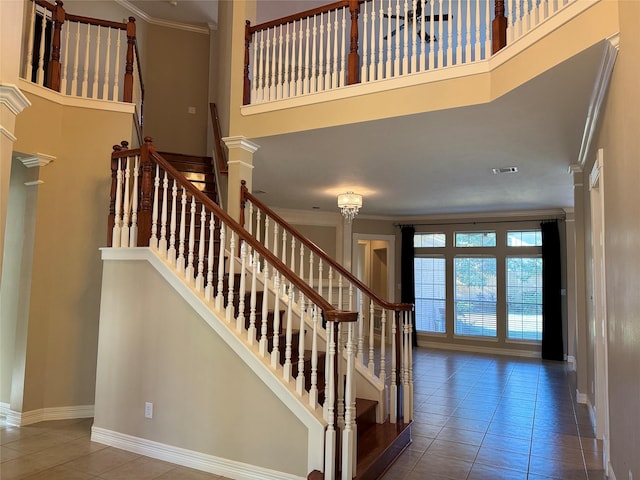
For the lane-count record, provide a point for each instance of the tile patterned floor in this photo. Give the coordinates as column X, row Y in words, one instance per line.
column 477, row 417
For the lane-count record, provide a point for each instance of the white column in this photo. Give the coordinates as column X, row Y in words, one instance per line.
column 571, row 287
column 241, row 153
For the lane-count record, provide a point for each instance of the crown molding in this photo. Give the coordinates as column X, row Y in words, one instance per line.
column 37, row 160
column 7, row 133
column 13, row 98
column 164, row 23
column 242, row 143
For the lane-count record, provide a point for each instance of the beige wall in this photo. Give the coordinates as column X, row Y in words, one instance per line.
column 621, row 143
column 176, row 78
column 59, row 334
column 155, row 348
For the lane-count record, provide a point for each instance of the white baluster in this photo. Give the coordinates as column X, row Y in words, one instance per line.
column 232, row 276
column 208, row 291
column 74, row 78
column 280, row 69
column 320, row 275
column 85, row 71
column 440, row 35
column 383, row 346
column 349, row 437
column 381, row 40
column 372, row 53
column 389, row 41
column 105, row 83
column 65, row 60
column 343, row 50
column 423, row 37
column 330, row 434
column 314, row 80
column 126, row 207
column 361, row 331
column 459, row 60
column 171, row 252
column 372, row 321
column 283, row 254
column 292, row 265
column 467, row 45
column 327, row 67
column 189, row 271
column 287, row 370
column 313, row 390
column 275, row 350
column 183, row 225
column 340, row 286
column 487, row 33
column 117, row 220
column 409, row 392
column 526, row 17
column 406, row 350
column 220, row 286
column 397, row 36
column 264, row 328
column 243, row 286
column 405, row 41
column 299, row 78
column 477, row 43
column 449, row 38
column 32, row 35
column 116, row 72
column 320, row 83
column 200, row 276
column 286, row 89
column 330, row 292
column 43, row 26
column 133, row 233
column 414, row 43
column 517, row 19
column 305, row 82
column 393, row 391
column 272, row 84
column 94, row 86
column 162, row 243
column 251, row 332
column 301, row 274
column 153, row 241
column 257, row 60
column 261, row 63
column 432, row 33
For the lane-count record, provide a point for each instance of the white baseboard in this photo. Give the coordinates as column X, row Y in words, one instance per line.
column 20, row 419
column 581, row 397
column 187, row 458
column 478, row 349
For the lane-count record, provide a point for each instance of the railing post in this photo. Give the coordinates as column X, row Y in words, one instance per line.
column 146, row 200
column 354, row 58
column 53, row 76
column 127, row 94
column 499, row 28
column 243, row 201
column 246, row 87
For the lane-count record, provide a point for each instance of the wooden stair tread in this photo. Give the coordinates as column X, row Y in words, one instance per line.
column 379, row 447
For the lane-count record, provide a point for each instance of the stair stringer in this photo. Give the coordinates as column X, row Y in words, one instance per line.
column 312, row 419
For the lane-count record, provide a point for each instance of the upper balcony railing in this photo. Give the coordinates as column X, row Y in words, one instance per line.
column 81, row 56
column 360, row 41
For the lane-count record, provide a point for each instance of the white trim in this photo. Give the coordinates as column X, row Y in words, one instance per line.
column 45, row 414
column 609, row 55
column 581, row 397
column 478, row 349
column 7, row 134
column 34, row 183
column 298, row 405
column 80, row 102
column 242, row 143
column 161, row 22
column 187, row 458
column 13, row 98
column 37, row 160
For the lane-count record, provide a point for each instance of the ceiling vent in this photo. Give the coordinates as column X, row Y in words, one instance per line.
column 497, row 171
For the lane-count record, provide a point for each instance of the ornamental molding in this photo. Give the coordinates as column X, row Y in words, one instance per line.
column 13, row 98
column 37, row 160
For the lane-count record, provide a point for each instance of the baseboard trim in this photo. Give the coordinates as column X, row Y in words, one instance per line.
column 187, row 458
column 478, row 349
column 20, row 419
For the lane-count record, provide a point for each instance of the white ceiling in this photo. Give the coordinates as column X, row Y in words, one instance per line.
column 432, row 163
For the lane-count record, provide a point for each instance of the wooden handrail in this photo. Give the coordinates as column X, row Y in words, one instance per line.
column 299, row 16
column 149, row 156
column 221, row 157
column 246, row 195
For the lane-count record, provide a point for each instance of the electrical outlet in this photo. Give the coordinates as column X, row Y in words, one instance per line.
column 191, row 110
column 148, row 410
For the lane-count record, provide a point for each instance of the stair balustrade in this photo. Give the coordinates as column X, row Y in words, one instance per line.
column 81, row 56
column 260, row 298
column 381, row 326
column 361, row 41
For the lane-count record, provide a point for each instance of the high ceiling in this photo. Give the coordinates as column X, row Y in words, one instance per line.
column 437, row 162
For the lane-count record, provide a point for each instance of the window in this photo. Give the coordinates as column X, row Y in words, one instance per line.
column 430, row 291
column 475, row 239
column 475, row 294
column 429, row 240
column 524, row 238
column 524, row 298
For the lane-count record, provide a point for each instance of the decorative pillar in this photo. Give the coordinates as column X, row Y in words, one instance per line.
column 240, row 164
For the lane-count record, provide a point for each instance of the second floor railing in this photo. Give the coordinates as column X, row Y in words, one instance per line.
column 360, row 41
column 81, row 56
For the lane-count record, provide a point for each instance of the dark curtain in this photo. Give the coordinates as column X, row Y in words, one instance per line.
column 408, row 293
column 552, row 343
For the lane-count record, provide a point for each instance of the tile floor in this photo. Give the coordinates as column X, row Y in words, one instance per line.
column 476, row 417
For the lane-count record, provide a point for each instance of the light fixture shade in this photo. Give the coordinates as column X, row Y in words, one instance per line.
column 349, row 204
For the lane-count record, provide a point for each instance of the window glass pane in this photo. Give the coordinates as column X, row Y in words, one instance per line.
column 429, row 240
column 524, row 238
column 430, row 294
column 475, row 296
column 475, row 239
column 524, row 298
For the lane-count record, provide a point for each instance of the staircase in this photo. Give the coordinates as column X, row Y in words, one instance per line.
column 271, row 306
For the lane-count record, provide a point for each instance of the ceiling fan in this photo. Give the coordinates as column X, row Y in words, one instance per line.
column 417, row 14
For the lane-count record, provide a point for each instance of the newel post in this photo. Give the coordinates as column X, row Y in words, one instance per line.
column 53, row 76
column 246, row 86
column 499, row 28
column 354, row 58
column 127, row 95
column 146, row 197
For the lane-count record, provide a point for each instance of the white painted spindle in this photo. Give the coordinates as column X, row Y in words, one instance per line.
column 133, row 233
column 349, row 434
column 393, row 390
column 264, row 327
column 126, row 206
column 208, row 291
column 117, row 221
column 94, row 86
column 242, row 287
column 116, row 72
column 104, row 92
column 153, row 241
column 162, row 242
column 183, row 226
column 65, row 62
column 189, row 271
column 288, row 350
column 200, row 276
column 275, row 350
column 372, row 321
column 221, row 257
column 251, row 331
column 171, row 252
column 32, row 35
column 85, row 71
column 43, row 26
column 232, row 276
